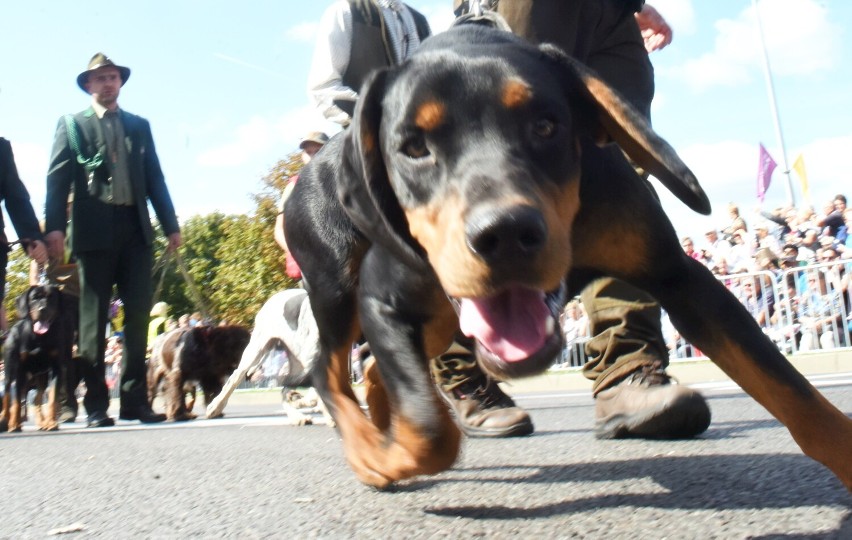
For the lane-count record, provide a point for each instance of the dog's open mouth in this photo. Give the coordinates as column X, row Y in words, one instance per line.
column 517, row 330
column 41, row 327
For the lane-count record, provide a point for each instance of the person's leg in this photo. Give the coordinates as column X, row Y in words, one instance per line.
column 135, row 289
column 70, row 372
column 626, row 332
column 96, row 278
column 634, row 397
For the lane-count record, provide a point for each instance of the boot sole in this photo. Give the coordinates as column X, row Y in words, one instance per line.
column 684, row 418
column 518, row 430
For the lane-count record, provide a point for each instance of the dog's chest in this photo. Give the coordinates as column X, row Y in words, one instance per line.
column 38, row 352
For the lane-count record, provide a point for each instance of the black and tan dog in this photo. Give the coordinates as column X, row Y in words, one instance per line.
column 33, row 353
column 205, row 355
column 474, row 189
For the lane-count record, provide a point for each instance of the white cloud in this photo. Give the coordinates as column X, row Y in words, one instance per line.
column 259, row 138
column 800, row 40
column 727, row 170
column 249, row 139
column 32, row 162
column 303, row 32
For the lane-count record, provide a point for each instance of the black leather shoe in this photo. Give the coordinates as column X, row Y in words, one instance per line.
column 143, row 414
column 99, row 419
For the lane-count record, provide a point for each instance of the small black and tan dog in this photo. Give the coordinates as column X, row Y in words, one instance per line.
column 205, row 355
column 33, row 353
column 475, row 186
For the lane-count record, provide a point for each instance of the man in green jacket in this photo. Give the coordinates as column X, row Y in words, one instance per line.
column 106, row 157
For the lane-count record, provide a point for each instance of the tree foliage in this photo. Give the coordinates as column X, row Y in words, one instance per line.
column 17, row 281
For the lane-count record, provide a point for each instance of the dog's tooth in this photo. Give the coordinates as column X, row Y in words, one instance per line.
column 550, row 326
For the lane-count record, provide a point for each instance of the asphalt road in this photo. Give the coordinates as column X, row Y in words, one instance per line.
column 250, row 476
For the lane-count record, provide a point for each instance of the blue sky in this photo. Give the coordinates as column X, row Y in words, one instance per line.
column 223, row 85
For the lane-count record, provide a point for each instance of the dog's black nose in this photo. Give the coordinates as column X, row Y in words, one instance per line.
column 506, row 234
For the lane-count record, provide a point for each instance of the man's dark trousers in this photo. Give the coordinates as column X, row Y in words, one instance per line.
column 128, row 265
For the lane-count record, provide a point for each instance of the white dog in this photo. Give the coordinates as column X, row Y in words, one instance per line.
column 285, row 320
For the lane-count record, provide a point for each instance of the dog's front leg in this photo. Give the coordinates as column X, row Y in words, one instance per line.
column 710, row 317
column 636, row 242
column 406, row 318
column 50, row 410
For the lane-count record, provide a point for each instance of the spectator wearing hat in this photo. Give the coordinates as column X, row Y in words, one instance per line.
column 106, row 156
column 309, row 146
column 765, row 240
column 159, row 318
column 737, row 222
column 717, row 247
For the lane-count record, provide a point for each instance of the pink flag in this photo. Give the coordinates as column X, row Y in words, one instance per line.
column 764, row 172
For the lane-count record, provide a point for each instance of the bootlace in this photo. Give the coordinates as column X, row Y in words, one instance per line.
column 650, row 375
column 461, row 377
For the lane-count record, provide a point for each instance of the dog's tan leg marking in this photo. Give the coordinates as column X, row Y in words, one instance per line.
column 40, row 416
column 381, row 458
column 376, row 397
column 4, row 414
column 52, row 410
column 14, row 408
column 818, row 427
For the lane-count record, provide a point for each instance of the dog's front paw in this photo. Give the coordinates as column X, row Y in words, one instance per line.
column 300, row 420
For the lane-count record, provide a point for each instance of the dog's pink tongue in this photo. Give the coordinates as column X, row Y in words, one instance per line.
column 40, row 328
column 512, row 324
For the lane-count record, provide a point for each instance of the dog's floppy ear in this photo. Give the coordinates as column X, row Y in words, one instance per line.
column 364, row 189
column 22, row 304
column 629, row 129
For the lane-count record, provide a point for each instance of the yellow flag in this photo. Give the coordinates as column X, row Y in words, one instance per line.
column 799, row 167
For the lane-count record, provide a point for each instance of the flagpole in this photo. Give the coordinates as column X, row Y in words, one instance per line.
column 791, row 199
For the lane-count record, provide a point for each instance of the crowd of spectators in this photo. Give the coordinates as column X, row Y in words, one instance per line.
column 791, row 270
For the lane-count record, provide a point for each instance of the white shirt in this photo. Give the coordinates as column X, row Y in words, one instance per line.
column 334, row 47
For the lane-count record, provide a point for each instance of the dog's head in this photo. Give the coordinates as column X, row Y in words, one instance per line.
column 467, row 158
column 41, row 305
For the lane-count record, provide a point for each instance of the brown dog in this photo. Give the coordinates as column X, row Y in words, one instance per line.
column 205, row 355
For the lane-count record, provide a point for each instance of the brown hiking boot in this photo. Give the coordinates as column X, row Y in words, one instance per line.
column 480, row 406
column 646, row 404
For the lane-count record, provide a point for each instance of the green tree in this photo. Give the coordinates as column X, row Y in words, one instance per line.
column 17, row 281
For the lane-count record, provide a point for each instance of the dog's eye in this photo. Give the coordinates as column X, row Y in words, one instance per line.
column 544, row 128
column 415, row 147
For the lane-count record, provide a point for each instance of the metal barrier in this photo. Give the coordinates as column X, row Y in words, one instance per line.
column 801, row 309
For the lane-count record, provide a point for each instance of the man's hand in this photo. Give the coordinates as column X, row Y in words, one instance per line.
column 55, row 245
column 37, row 251
column 655, row 30
column 175, row 242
